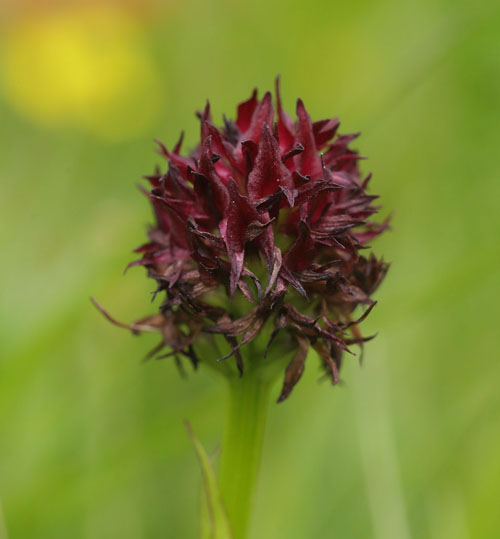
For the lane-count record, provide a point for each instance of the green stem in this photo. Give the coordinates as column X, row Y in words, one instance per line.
column 242, row 447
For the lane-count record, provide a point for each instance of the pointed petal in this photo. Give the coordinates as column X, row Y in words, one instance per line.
column 307, row 162
column 295, row 368
column 211, row 193
column 302, row 252
column 324, row 131
column 268, row 173
column 245, row 112
column 263, row 113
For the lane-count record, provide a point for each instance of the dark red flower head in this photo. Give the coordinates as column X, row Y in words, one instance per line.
column 264, row 222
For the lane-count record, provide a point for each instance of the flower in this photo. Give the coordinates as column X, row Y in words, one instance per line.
column 263, row 225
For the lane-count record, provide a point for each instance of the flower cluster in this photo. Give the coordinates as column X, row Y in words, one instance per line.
column 273, row 216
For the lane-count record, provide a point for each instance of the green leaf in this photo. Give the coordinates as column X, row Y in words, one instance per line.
column 214, row 522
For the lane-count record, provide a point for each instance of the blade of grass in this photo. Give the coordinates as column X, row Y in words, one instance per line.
column 214, row 523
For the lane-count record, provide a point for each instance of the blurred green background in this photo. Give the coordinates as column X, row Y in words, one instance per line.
column 92, row 443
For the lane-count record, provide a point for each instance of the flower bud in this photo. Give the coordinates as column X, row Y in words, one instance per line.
column 263, row 224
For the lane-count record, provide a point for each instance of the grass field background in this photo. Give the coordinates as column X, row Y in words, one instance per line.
column 92, row 443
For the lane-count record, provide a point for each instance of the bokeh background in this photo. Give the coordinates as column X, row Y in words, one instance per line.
column 92, row 443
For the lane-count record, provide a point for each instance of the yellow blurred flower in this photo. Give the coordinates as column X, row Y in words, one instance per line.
column 87, row 67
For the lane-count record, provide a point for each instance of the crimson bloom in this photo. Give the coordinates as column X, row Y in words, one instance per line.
column 263, row 225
